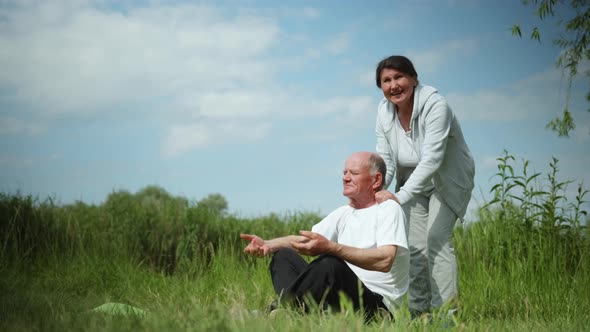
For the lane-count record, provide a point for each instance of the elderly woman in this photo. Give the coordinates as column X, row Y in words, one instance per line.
column 421, row 142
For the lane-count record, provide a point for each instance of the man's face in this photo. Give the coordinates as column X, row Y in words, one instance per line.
column 357, row 180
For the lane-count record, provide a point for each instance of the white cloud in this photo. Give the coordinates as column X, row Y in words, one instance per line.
column 311, row 12
column 205, row 73
column 311, row 54
column 431, row 60
column 492, row 106
column 487, row 163
column 16, row 162
column 228, row 104
column 14, row 126
column 217, row 125
column 582, row 132
column 349, row 107
column 338, row 44
column 182, row 138
column 190, row 61
column 186, row 137
column 72, row 57
column 519, row 101
column 368, row 78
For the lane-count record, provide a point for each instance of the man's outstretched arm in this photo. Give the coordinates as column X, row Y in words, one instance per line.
column 260, row 248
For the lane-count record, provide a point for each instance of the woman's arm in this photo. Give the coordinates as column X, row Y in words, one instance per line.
column 436, row 131
column 384, row 150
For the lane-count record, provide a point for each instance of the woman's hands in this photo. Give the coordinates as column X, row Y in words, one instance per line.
column 383, row 195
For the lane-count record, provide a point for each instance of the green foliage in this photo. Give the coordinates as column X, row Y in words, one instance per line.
column 574, row 44
column 524, row 265
column 146, row 225
column 516, row 31
column 180, row 263
column 562, row 125
column 527, row 256
column 511, row 271
column 214, row 202
column 151, row 228
column 530, row 239
column 538, row 204
column 29, row 228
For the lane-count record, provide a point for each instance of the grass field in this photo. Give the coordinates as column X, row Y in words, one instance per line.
column 524, row 265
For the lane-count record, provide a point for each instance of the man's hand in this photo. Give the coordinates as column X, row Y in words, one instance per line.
column 313, row 245
column 256, row 247
column 383, row 195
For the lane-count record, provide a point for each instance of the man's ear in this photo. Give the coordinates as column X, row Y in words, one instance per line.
column 378, row 181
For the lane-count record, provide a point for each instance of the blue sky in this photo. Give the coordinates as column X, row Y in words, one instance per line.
column 261, row 101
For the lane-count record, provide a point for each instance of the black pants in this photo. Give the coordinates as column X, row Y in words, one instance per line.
column 321, row 280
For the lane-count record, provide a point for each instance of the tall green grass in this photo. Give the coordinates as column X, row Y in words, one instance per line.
column 527, row 257
column 523, row 265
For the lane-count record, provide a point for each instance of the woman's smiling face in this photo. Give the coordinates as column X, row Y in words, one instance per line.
column 398, row 87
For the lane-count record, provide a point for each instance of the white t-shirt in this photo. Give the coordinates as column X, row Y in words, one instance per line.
column 372, row 227
column 407, row 157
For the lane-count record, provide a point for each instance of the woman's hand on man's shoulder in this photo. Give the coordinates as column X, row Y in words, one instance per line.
column 383, row 195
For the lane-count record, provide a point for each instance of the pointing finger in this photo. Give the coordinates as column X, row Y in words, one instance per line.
column 247, row 237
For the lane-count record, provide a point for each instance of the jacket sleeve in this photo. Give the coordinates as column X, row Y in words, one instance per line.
column 384, row 149
column 437, row 125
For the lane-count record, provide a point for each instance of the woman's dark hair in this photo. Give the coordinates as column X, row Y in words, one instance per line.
column 397, row 62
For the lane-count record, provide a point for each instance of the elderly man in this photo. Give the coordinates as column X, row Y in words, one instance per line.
column 362, row 246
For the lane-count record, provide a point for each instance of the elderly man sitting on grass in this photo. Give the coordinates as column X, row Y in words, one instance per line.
column 362, row 248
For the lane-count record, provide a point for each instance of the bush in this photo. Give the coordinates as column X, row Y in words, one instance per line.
column 150, row 228
column 30, row 229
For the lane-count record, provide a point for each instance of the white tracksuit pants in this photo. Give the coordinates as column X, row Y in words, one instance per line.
column 433, row 267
